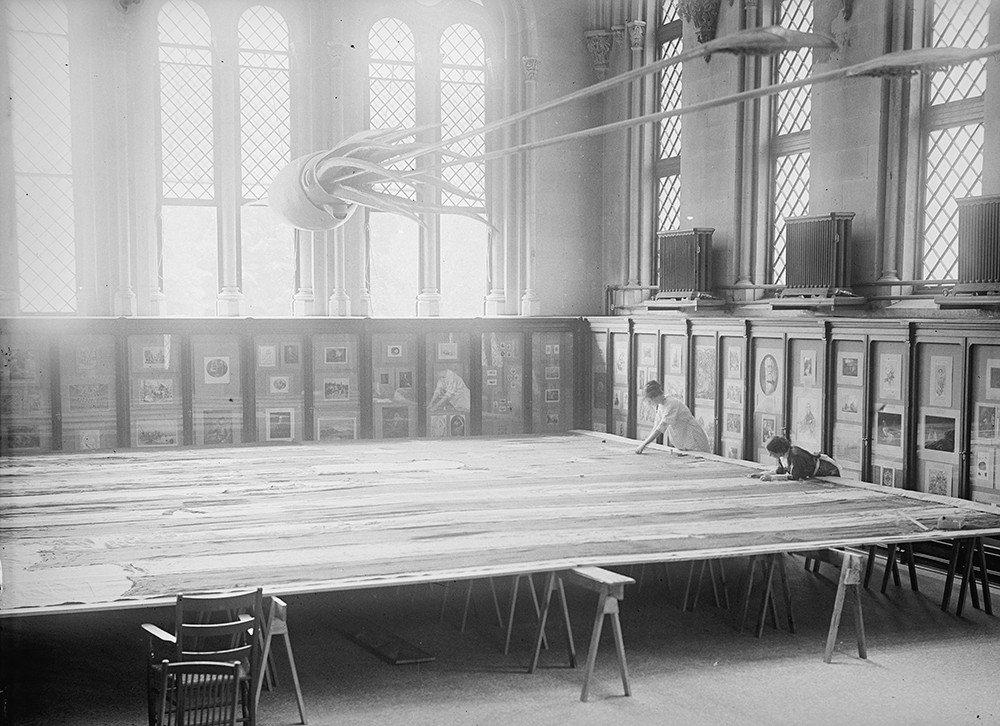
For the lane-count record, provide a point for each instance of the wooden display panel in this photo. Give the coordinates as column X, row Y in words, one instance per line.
column 619, row 384
column 217, row 403
column 984, row 455
column 553, row 393
column 646, row 369
column 336, row 395
column 394, row 407
column 599, row 381
column 449, row 399
column 705, row 377
column 25, row 395
column 89, row 397
column 887, row 420
column 807, row 379
column 733, row 396
column 849, row 407
column 155, row 395
column 768, row 383
column 503, row 383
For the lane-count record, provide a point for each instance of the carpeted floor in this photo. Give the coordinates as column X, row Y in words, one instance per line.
column 925, row 666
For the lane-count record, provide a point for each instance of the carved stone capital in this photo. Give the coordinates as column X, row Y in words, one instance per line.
column 619, row 33
column 530, row 66
column 599, row 46
column 636, row 33
column 703, row 14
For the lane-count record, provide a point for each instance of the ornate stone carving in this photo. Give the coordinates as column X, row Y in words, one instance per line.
column 599, row 46
column 619, row 33
column 636, row 33
column 126, row 4
column 530, row 65
column 703, row 14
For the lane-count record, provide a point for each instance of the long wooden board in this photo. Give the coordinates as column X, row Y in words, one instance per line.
column 130, row 529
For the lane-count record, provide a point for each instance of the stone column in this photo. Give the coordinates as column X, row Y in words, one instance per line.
column 636, row 32
column 228, row 191
column 339, row 302
column 125, row 298
column 530, row 302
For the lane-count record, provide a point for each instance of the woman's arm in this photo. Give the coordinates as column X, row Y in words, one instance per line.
column 657, row 430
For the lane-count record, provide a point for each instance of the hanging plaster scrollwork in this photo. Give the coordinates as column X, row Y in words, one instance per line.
column 599, row 46
column 530, row 66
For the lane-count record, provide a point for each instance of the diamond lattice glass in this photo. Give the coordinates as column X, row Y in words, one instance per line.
column 392, row 86
column 39, row 88
column 185, row 102
column 791, row 199
column 463, row 108
column 954, row 170
column 963, row 24
column 264, row 99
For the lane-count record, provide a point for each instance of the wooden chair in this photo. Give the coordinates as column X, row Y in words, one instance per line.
column 214, row 627
column 198, row 693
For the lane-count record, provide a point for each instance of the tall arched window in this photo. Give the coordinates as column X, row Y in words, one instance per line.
column 188, row 212
column 463, row 108
column 267, row 269
column 443, row 83
column 392, row 103
column 789, row 145
column 41, row 143
column 668, row 165
column 952, row 133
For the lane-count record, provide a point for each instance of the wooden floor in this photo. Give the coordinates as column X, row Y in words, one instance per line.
column 131, row 529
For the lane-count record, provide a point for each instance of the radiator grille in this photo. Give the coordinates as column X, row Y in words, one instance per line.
column 978, row 245
column 684, row 262
column 818, row 254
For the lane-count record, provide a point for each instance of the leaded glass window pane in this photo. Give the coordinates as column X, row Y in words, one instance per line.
column 962, row 24
column 463, row 108
column 793, row 107
column 185, row 102
column 392, row 85
column 38, row 58
column 265, row 107
column 954, row 171
column 670, row 98
column 791, row 199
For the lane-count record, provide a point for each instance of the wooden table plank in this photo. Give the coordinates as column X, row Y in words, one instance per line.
column 100, row 531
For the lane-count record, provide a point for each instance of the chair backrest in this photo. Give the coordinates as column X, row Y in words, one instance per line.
column 199, row 693
column 222, row 627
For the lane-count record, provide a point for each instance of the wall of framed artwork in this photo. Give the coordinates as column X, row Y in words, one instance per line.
column 767, row 382
column 26, row 421
column 984, row 422
column 553, row 398
column 503, row 383
column 218, row 396
column 448, row 384
column 336, row 394
column 87, row 368
column 156, row 389
column 394, row 360
column 732, row 368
